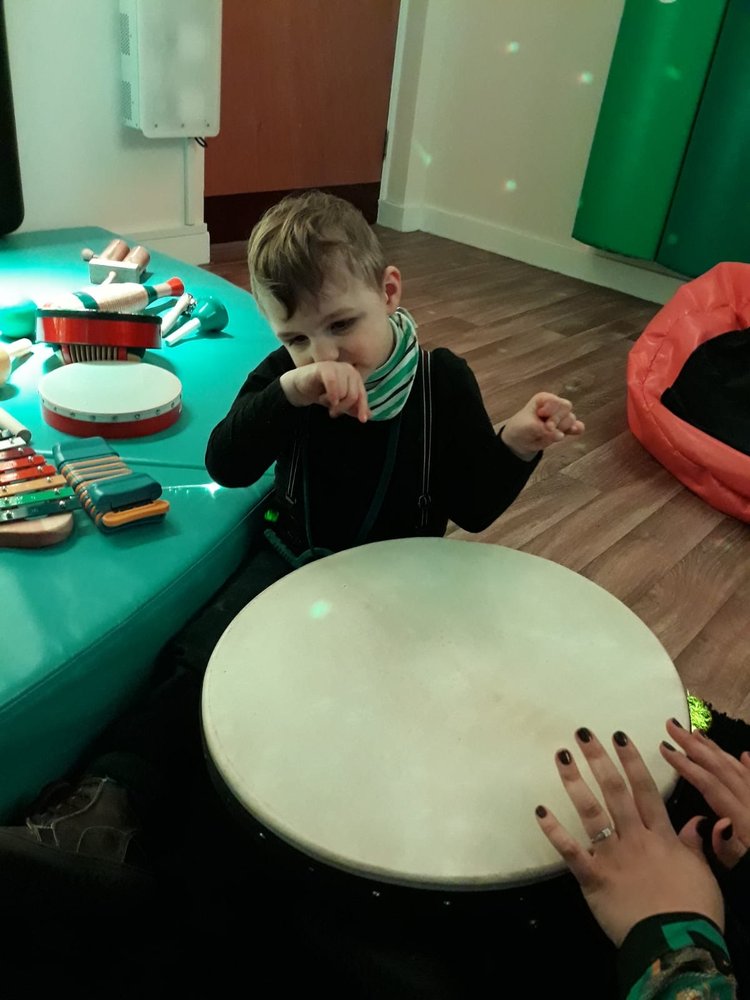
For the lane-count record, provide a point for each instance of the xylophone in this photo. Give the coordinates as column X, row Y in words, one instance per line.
column 35, row 500
column 109, row 491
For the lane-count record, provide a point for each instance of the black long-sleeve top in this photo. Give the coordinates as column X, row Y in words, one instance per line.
column 474, row 475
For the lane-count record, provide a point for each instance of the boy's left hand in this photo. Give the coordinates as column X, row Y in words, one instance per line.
column 544, row 420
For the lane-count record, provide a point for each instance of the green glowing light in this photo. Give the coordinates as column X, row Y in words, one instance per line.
column 319, row 609
column 424, row 156
column 510, row 185
column 672, row 239
column 512, row 47
column 672, row 73
column 586, row 77
column 700, row 713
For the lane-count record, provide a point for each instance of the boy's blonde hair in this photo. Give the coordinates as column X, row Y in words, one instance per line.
column 299, row 241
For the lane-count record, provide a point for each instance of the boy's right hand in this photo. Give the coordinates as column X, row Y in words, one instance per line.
column 333, row 384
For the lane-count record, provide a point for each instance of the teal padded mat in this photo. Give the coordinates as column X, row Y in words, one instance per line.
column 83, row 620
column 710, row 217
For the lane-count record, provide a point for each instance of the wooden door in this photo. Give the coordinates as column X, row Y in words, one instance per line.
column 305, row 86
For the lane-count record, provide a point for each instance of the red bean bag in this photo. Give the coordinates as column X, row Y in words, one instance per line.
column 716, row 302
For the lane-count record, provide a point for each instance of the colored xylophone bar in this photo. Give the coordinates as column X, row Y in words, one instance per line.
column 110, row 492
column 29, row 486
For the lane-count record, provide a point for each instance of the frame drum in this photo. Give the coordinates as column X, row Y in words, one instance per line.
column 393, row 711
column 114, row 399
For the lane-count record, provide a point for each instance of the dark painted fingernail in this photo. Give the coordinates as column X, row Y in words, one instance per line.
column 583, row 735
column 541, row 812
column 667, row 746
column 726, row 833
column 620, row 738
column 564, row 757
column 677, row 723
column 703, row 827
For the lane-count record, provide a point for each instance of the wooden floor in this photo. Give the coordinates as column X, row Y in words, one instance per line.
column 600, row 504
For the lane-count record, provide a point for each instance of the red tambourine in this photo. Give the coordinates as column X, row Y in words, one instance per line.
column 81, row 335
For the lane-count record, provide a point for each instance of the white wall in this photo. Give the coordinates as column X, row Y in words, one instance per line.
column 493, row 111
column 79, row 165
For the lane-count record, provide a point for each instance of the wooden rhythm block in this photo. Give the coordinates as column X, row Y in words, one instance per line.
column 117, row 262
column 109, row 491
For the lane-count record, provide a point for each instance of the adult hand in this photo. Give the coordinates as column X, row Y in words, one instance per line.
column 635, row 866
column 723, row 781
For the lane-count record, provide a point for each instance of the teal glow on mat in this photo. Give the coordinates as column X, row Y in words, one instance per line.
column 710, row 216
column 659, row 69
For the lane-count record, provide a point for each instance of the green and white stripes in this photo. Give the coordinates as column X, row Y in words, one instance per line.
column 389, row 386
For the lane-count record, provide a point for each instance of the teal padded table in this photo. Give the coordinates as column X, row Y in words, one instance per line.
column 84, row 620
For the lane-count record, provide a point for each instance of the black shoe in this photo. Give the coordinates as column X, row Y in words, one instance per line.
column 81, row 845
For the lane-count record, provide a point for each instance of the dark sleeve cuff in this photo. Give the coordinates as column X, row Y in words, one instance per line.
column 273, row 404
column 248, row 440
column 656, row 937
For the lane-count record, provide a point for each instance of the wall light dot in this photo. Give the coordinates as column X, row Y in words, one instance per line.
column 424, row 156
column 586, row 77
column 512, row 47
column 510, row 185
column 319, row 609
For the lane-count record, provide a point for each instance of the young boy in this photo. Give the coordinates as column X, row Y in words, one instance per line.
column 410, row 445
column 372, row 439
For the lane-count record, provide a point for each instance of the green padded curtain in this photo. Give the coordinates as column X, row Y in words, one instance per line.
column 659, row 67
column 710, row 216
column 668, row 177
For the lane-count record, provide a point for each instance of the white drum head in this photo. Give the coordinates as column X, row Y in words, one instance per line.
column 135, row 397
column 394, row 710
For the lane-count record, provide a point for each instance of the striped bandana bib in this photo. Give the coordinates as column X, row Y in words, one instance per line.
column 388, row 387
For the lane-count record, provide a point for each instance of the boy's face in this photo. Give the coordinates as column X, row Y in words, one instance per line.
column 348, row 321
